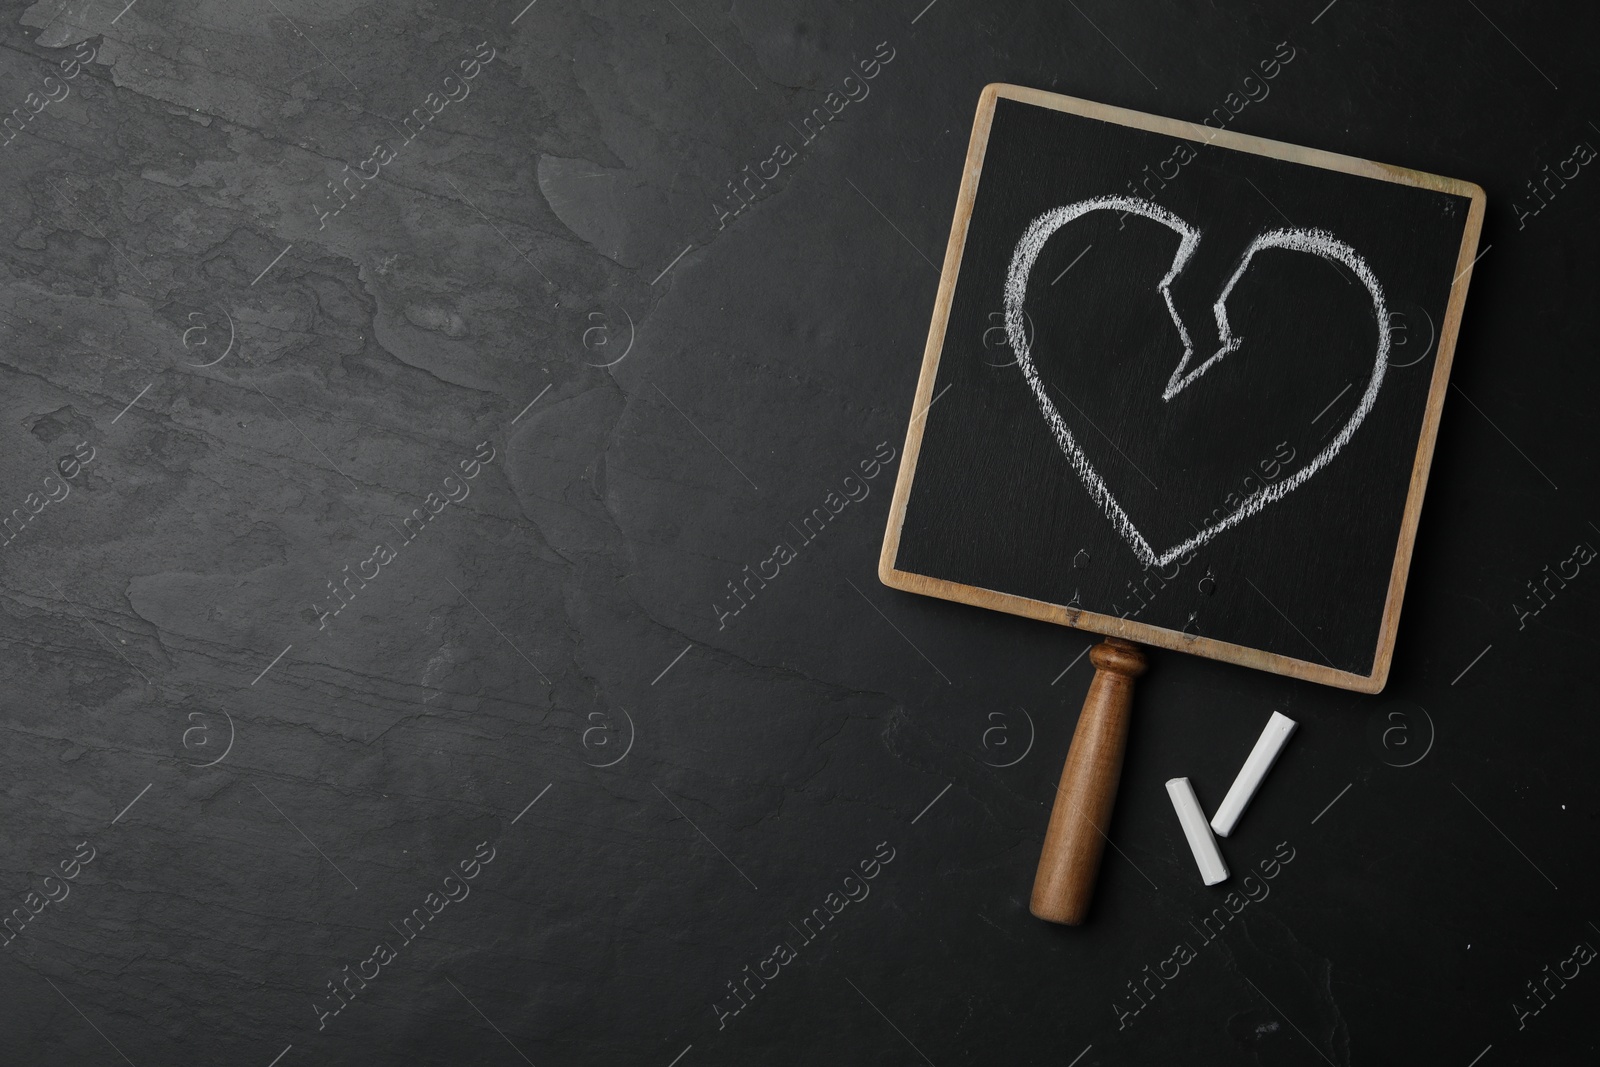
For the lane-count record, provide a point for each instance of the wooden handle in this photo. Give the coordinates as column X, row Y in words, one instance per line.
column 1072, row 845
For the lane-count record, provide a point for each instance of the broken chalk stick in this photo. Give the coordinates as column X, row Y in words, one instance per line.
column 1255, row 768
column 1198, row 831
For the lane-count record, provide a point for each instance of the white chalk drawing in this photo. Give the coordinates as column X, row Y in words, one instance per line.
column 1316, row 242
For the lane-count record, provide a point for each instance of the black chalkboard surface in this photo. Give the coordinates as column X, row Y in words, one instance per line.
column 1182, row 386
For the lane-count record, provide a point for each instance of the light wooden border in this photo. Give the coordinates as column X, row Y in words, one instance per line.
column 1144, row 633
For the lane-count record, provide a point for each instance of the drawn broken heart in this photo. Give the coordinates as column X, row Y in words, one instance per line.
column 1316, row 242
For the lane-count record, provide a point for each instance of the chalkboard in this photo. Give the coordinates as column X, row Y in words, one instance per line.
column 1182, row 386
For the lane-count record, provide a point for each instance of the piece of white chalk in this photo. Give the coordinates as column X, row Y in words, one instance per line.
column 1198, row 831
column 1255, row 768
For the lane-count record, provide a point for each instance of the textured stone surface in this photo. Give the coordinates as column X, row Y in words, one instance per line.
column 268, row 392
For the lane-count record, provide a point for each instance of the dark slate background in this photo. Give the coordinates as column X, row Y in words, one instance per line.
column 160, row 617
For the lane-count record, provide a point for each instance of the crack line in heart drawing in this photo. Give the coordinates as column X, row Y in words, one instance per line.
column 1316, row 242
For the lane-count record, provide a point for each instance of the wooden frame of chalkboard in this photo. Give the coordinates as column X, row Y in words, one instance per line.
column 1112, row 625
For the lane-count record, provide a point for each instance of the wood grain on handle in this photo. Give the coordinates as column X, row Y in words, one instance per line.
column 1070, row 861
